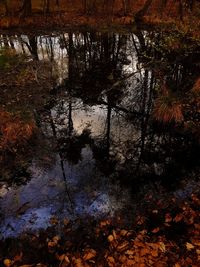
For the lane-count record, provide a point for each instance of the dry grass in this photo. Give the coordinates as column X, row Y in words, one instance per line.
column 168, row 110
column 196, row 87
column 14, row 132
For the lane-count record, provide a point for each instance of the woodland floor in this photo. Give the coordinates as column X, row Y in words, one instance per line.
column 168, row 236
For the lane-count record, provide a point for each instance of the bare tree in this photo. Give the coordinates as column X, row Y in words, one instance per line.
column 140, row 14
column 26, row 8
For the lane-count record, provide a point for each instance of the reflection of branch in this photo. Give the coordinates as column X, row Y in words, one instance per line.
column 122, row 80
column 61, row 161
column 134, row 112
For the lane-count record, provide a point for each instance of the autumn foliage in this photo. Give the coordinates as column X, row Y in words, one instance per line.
column 174, row 241
column 14, row 133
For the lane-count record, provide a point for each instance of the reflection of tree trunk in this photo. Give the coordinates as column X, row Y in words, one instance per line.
column 70, row 78
column 144, row 119
column 70, row 122
column 61, row 161
column 108, row 131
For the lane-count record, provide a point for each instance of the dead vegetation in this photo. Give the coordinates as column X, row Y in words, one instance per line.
column 174, row 240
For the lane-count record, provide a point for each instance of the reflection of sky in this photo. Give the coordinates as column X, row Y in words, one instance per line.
column 31, row 206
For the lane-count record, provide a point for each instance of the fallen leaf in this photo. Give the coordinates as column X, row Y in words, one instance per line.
column 123, row 246
column 56, row 239
column 130, row 252
column 144, row 252
column 66, row 222
column 162, row 246
column 168, row 218
column 51, row 244
column 78, row 263
column 110, row 238
column 154, row 253
column 7, row 262
column 111, row 261
column 130, row 263
column 189, row 246
column 123, row 232
column 156, row 230
column 178, row 218
column 18, row 257
column 89, row 255
column 155, row 211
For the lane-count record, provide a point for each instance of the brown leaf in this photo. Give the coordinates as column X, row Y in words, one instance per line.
column 189, row 246
column 155, row 211
column 78, row 262
column 123, row 232
column 144, row 251
column 123, row 246
column 130, row 263
column 154, row 253
column 162, row 246
column 155, row 230
column 111, row 261
column 90, row 254
column 168, row 218
column 7, row 262
column 18, row 257
column 110, row 238
column 129, row 252
column 178, row 217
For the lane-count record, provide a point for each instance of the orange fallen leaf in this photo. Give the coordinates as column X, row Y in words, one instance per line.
column 144, row 252
column 189, row 246
column 18, row 257
column 162, row 246
column 110, row 238
column 155, row 230
column 123, row 232
column 111, row 261
column 154, row 253
column 130, row 263
column 90, row 254
column 123, row 246
column 7, row 262
column 155, row 211
column 168, row 218
column 178, row 218
column 129, row 252
column 78, row 263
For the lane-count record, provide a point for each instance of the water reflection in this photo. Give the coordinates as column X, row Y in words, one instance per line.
column 97, row 128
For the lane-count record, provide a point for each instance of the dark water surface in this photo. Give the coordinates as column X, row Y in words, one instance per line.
column 100, row 152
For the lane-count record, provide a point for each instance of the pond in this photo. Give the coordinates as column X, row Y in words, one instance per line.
column 104, row 146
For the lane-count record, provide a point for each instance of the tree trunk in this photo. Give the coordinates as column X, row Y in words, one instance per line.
column 140, row 14
column 26, row 8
